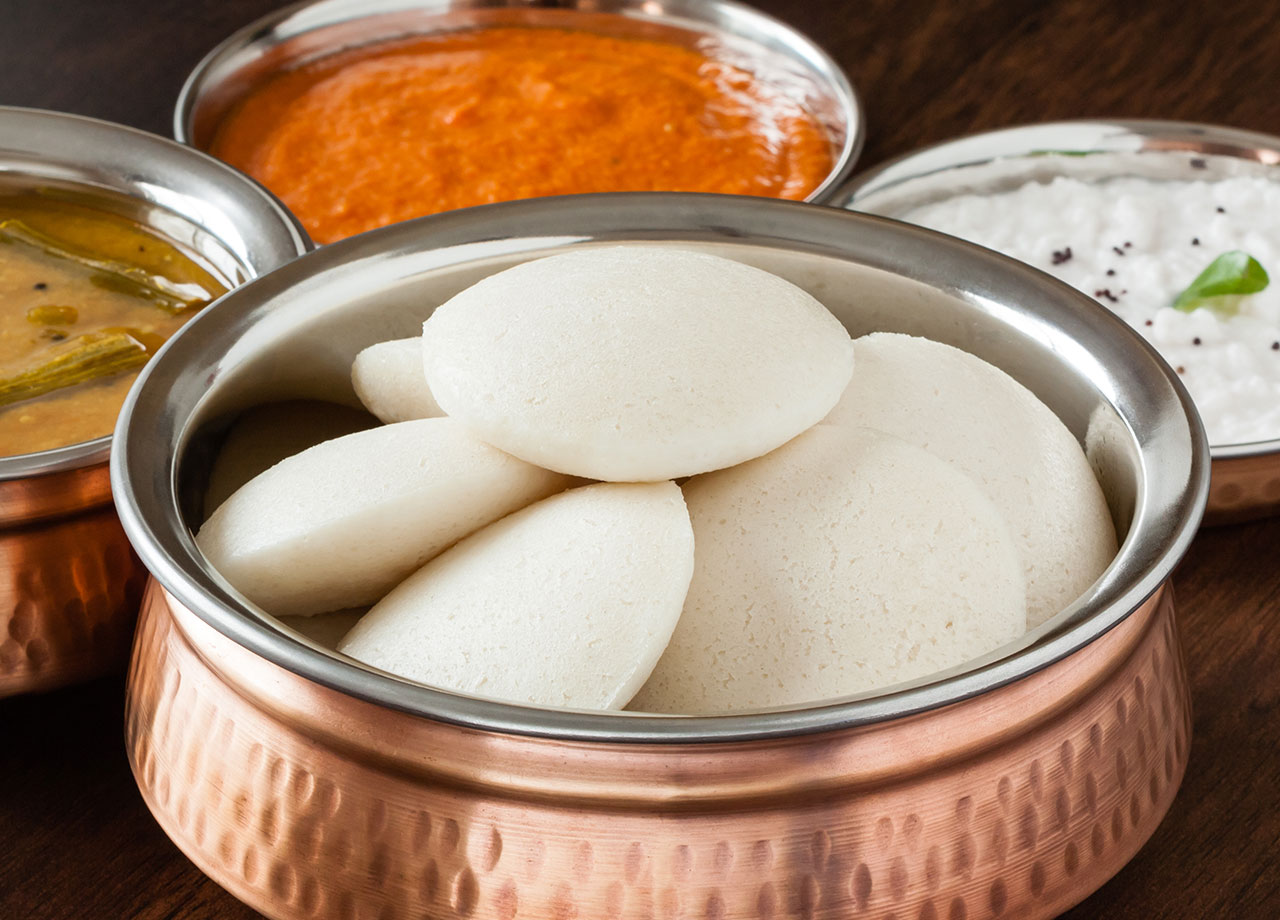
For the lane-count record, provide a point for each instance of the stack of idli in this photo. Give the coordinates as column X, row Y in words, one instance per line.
column 850, row 515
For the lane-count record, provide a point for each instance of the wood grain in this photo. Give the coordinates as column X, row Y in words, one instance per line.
column 75, row 838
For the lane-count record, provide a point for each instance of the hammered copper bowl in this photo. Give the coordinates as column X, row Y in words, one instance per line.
column 721, row 29
column 1246, row 477
column 69, row 583
column 312, row 786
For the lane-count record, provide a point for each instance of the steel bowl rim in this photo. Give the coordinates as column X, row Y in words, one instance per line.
column 1191, row 136
column 97, row 450
column 232, row 617
column 827, row 69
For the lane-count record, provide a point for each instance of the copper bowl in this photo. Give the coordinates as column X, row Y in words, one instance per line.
column 69, row 583
column 1246, row 476
column 310, row 785
column 722, row 29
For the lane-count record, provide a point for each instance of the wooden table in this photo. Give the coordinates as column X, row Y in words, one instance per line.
column 75, row 837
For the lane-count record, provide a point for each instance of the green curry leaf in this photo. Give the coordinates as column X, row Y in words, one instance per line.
column 1229, row 275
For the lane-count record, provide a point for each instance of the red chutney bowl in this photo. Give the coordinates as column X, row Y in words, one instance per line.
column 362, row 114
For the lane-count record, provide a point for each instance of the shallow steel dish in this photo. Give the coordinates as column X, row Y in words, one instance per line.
column 69, row 583
column 722, row 29
column 310, row 785
column 1246, row 477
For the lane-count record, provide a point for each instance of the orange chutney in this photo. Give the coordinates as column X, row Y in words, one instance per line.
column 382, row 133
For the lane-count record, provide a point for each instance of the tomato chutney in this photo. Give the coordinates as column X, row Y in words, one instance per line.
column 399, row 129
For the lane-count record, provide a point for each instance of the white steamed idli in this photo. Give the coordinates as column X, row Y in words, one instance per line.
column 264, row 435
column 845, row 561
column 340, row 524
column 389, row 381
column 975, row 416
column 566, row 603
column 635, row 363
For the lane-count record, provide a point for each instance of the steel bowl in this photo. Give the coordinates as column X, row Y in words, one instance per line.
column 721, row 29
column 308, row 784
column 1246, row 477
column 69, row 583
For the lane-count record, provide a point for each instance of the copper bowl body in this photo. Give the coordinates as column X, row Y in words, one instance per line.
column 310, row 785
column 304, row 802
column 70, row 584
column 722, row 29
column 1246, row 477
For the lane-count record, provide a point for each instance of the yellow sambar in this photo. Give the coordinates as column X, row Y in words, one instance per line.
column 86, row 296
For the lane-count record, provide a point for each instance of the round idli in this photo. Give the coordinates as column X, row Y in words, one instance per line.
column 264, row 435
column 635, row 363
column 389, row 381
column 340, row 524
column 566, row 603
column 975, row 416
column 845, row 561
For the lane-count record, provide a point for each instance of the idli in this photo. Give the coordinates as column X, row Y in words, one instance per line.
column 845, row 561
column 389, row 381
column 975, row 416
column 635, row 363
column 566, row 603
column 264, row 435
column 340, row 524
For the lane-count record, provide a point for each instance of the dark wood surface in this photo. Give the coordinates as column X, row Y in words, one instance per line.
column 76, row 840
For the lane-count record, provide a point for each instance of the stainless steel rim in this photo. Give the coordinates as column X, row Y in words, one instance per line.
column 726, row 16
column 255, row 229
column 1135, row 135
column 1173, row 484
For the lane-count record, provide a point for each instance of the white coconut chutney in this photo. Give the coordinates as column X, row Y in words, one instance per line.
column 1135, row 245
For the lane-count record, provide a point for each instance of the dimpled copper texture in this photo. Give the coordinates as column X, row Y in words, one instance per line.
column 69, row 581
column 304, row 802
column 1243, row 489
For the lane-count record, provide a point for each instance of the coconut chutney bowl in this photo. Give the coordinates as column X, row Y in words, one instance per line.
column 308, row 784
column 765, row 50
column 1246, row 469
column 69, row 583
